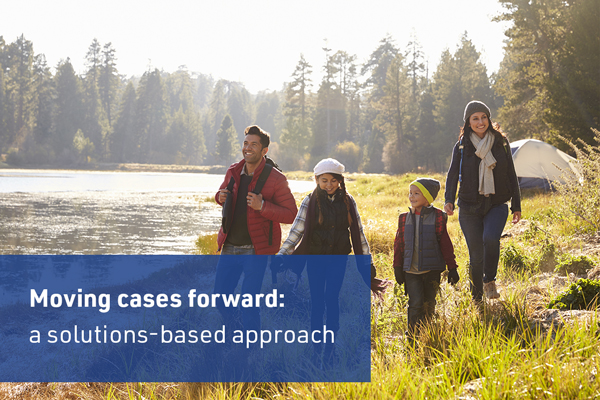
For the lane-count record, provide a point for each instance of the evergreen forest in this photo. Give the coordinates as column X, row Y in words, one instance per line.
column 390, row 113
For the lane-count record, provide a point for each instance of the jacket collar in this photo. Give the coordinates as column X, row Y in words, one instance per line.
column 237, row 168
column 424, row 210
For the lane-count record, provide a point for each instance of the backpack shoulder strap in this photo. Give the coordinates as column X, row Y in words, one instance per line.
column 401, row 223
column 461, row 146
column 230, row 184
column 262, row 178
column 403, row 218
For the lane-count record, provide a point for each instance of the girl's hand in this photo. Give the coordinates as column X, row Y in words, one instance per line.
column 516, row 217
column 379, row 286
column 449, row 208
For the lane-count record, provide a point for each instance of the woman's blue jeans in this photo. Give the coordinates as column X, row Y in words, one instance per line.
column 482, row 227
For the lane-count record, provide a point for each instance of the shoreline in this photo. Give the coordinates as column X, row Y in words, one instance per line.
column 165, row 168
column 124, row 167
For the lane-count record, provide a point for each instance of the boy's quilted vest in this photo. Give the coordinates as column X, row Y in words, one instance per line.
column 430, row 255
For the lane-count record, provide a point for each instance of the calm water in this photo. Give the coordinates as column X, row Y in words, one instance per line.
column 72, row 212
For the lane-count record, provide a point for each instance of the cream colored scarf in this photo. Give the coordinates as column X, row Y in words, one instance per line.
column 487, row 164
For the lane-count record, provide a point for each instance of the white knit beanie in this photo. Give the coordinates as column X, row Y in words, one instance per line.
column 329, row 166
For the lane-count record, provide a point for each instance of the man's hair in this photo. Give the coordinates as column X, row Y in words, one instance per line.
column 265, row 138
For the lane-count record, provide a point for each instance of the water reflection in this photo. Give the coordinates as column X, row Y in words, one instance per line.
column 103, row 222
column 71, row 212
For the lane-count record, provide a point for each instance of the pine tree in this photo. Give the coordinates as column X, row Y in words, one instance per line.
column 109, row 82
column 535, row 39
column 124, row 142
column 239, row 107
column 392, row 118
column 93, row 60
column 204, row 86
column 20, row 91
column 574, row 91
column 349, row 86
column 3, row 129
column 298, row 91
column 420, row 127
column 458, row 79
column 296, row 134
column 151, row 117
column 329, row 124
column 69, row 110
column 216, row 113
column 376, row 68
column 45, row 110
column 227, row 146
column 95, row 123
column 184, row 141
column 266, row 113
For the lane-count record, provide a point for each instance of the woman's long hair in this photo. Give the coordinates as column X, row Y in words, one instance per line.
column 339, row 178
column 494, row 128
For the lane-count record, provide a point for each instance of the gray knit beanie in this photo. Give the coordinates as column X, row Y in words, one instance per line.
column 428, row 186
column 475, row 106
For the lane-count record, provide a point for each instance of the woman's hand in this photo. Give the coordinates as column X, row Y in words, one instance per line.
column 449, row 208
column 516, row 217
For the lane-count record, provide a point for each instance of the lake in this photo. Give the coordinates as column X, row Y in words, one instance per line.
column 90, row 212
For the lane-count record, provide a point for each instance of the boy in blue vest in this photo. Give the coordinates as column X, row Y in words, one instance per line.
column 422, row 250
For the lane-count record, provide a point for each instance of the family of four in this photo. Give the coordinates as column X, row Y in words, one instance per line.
column 328, row 223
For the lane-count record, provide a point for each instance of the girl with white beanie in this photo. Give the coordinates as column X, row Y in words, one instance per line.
column 328, row 223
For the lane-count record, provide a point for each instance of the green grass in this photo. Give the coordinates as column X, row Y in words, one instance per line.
column 496, row 350
column 503, row 349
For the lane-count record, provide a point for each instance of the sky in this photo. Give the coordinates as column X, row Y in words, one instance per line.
column 256, row 42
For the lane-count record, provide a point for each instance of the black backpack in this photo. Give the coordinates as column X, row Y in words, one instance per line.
column 228, row 205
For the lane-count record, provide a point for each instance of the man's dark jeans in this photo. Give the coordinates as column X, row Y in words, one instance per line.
column 229, row 271
column 421, row 290
column 482, row 230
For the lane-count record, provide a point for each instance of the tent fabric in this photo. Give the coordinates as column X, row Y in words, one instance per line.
column 539, row 164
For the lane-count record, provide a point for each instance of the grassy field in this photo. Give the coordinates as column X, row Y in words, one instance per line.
column 506, row 349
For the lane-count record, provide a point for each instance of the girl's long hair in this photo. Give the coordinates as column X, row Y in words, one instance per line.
column 494, row 128
column 339, row 178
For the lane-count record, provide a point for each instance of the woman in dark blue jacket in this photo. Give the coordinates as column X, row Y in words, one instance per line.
column 482, row 163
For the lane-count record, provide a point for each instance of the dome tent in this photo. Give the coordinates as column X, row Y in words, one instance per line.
column 538, row 164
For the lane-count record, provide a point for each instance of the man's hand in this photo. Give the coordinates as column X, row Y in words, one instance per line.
column 223, row 195
column 254, row 201
column 449, row 208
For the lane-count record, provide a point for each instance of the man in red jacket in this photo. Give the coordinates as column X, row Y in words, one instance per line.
column 255, row 223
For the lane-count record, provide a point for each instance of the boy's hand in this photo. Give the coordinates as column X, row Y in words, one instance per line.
column 453, row 277
column 399, row 274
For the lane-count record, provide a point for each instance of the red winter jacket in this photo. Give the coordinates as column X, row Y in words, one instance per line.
column 279, row 207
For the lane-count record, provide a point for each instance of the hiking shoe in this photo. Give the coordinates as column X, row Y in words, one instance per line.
column 490, row 290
